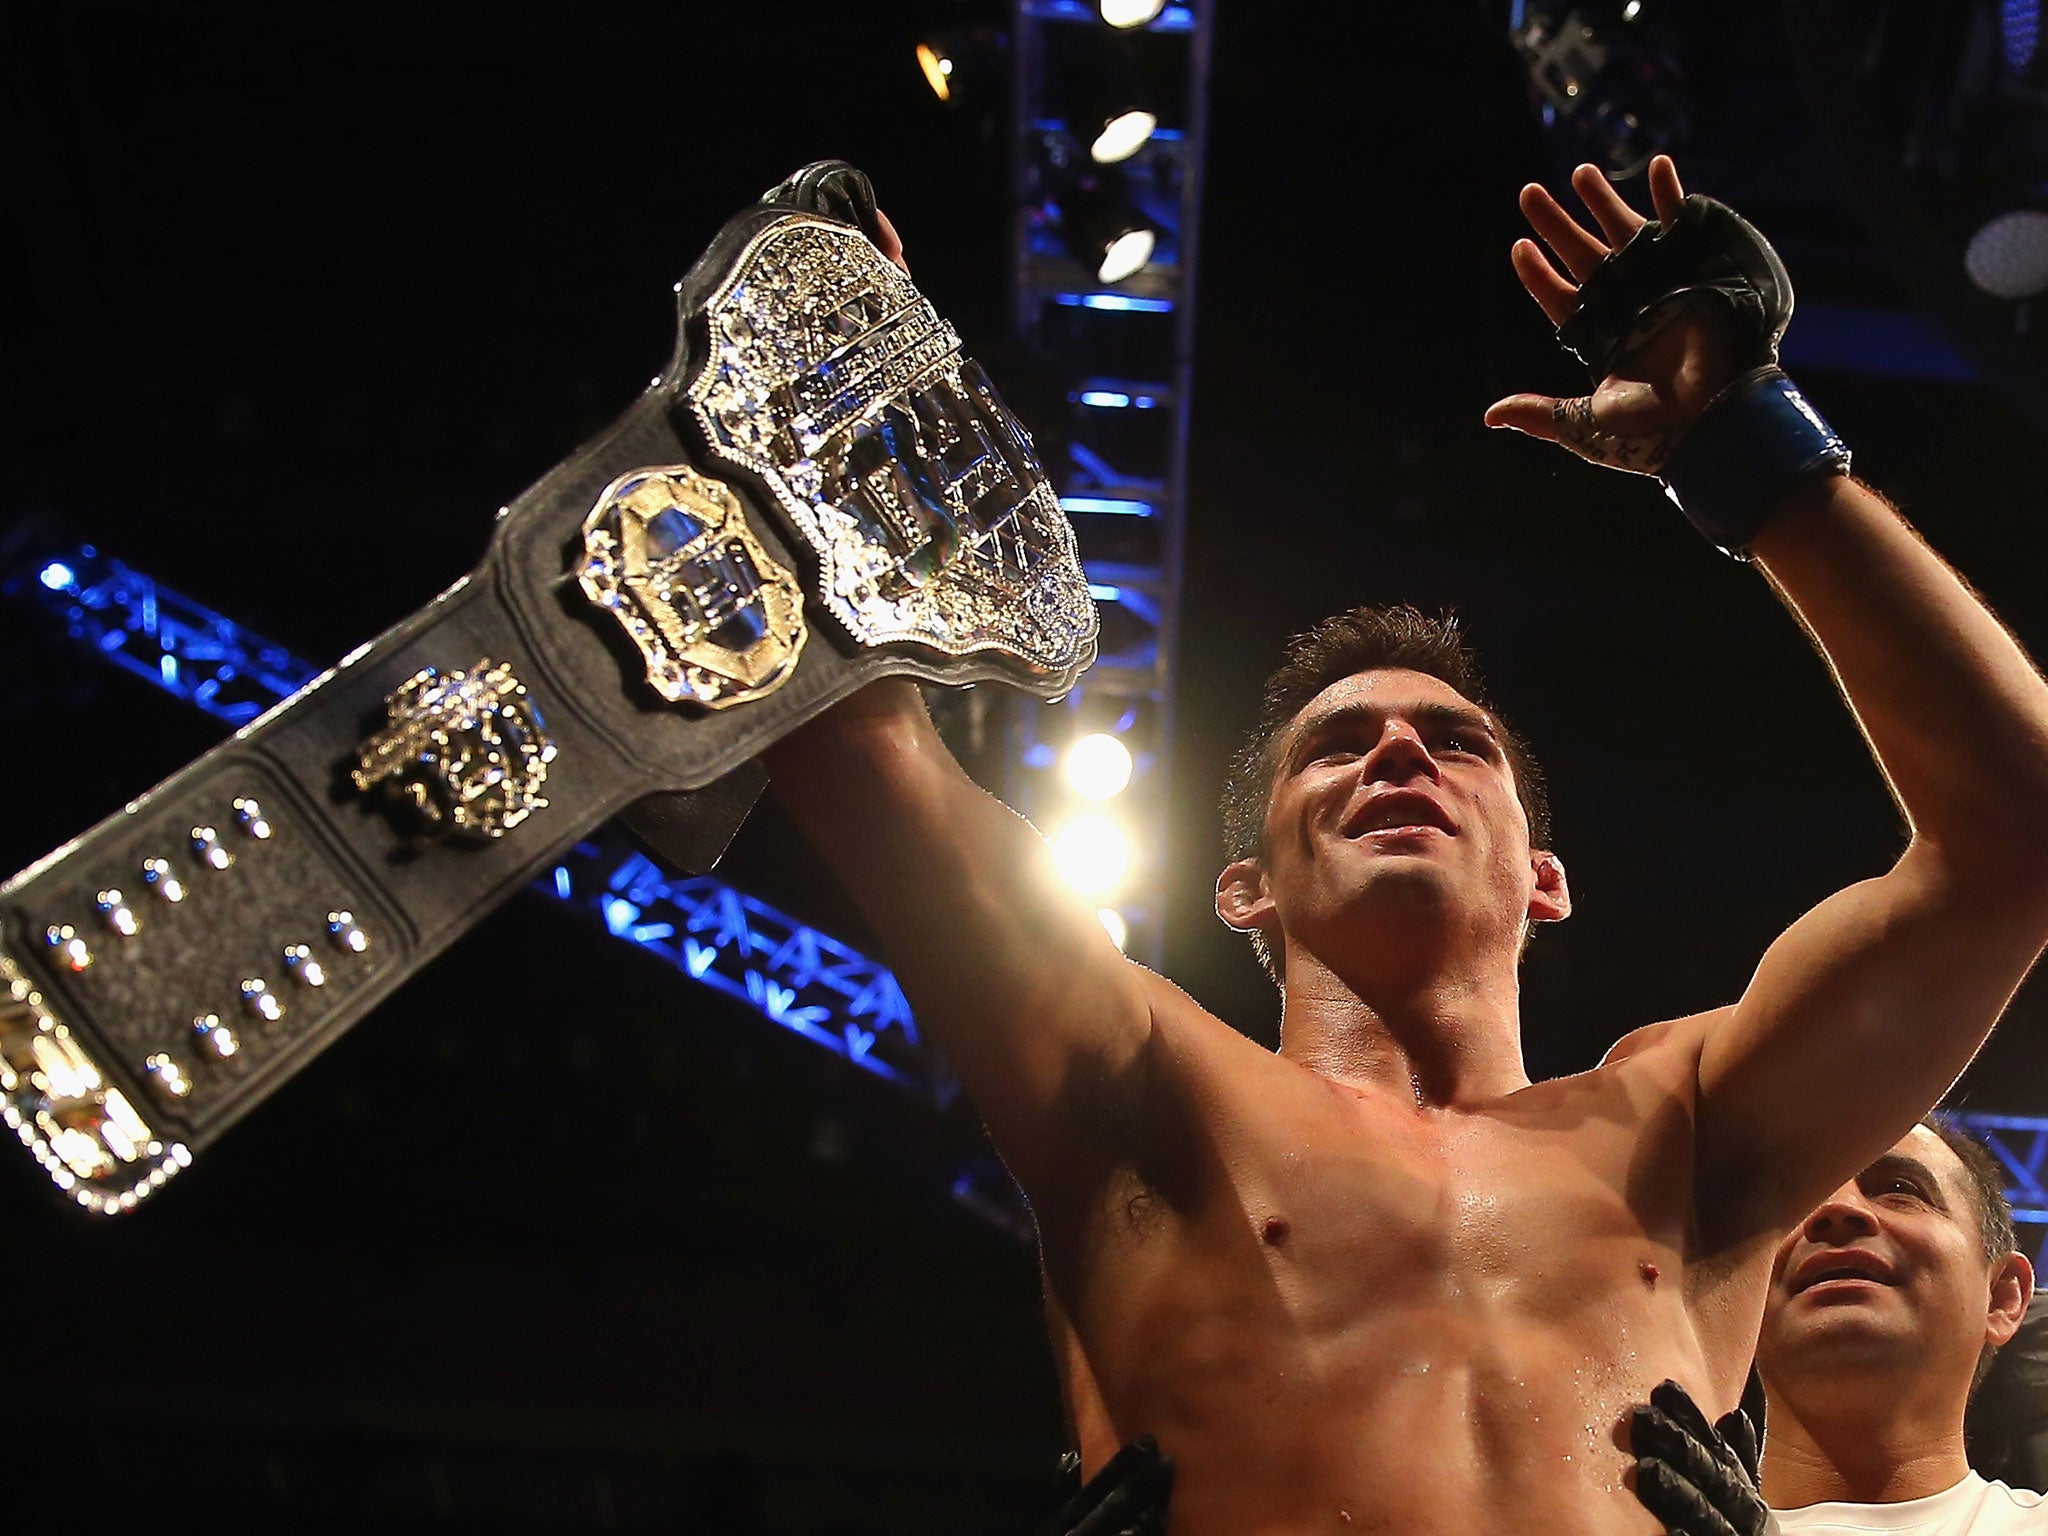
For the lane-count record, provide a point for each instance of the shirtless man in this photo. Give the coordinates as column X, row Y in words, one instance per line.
column 1380, row 1280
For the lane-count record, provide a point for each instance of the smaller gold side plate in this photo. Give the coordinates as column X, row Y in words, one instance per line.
column 668, row 553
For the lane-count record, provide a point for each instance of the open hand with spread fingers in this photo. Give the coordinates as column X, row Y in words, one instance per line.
column 1660, row 371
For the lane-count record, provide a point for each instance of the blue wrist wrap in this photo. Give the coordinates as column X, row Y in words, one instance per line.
column 1754, row 440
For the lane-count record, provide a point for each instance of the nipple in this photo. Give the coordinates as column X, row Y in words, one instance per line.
column 1647, row 1270
column 1275, row 1231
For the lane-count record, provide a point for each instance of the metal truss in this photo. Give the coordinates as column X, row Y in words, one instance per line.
column 1117, row 358
column 785, row 970
column 182, row 646
column 713, row 933
column 716, row 934
column 2021, row 1143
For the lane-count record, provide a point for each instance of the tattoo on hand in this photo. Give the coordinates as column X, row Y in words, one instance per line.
column 1578, row 431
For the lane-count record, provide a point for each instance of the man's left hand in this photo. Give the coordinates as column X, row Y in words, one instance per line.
column 1678, row 360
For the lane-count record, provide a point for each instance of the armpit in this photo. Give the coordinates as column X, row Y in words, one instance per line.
column 1690, row 1030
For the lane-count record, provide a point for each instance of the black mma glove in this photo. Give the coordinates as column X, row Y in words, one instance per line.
column 1128, row 1497
column 1759, row 434
column 1698, row 1478
column 1708, row 255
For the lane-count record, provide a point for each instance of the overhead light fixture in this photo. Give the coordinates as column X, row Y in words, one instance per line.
column 1131, row 13
column 958, row 64
column 2008, row 256
column 1104, row 230
column 1126, row 255
column 1122, row 135
column 1103, row 96
column 935, row 60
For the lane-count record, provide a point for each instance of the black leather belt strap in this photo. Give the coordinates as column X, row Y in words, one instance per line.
column 166, row 971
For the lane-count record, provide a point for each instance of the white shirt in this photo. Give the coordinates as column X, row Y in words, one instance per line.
column 1972, row 1508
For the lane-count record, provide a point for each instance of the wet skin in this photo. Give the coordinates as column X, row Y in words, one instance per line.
column 1448, row 1328
column 1376, row 1289
column 1381, row 1282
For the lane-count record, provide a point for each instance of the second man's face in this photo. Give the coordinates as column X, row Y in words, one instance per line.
column 1887, row 1276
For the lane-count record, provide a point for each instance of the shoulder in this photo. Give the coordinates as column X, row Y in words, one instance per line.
column 1999, row 1494
column 1181, row 1026
column 1672, row 1038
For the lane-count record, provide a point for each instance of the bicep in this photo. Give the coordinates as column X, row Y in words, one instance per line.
column 1858, row 1019
column 1006, row 969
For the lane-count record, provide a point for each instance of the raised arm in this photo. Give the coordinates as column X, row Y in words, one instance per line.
column 1864, row 1012
column 1007, row 969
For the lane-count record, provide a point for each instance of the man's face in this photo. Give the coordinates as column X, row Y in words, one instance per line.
column 1391, row 790
column 1889, row 1274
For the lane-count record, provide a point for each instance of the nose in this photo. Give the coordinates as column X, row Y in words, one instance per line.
column 1399, row 755
column 1842, row 1216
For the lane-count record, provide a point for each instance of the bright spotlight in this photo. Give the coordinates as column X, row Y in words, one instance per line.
column 1093, row 853
column 1098, row 766
column 1103, row 227
column 1131, row 13
column 1122, row 135
column 936, row 61
column 1114, row 925
column 1126, row 255
column 57, row 576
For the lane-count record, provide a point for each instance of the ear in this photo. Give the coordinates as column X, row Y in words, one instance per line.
column 1242, row 900
column 2012, row 1287
column 1551, row 900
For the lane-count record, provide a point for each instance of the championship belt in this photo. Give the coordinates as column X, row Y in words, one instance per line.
column 818, row 491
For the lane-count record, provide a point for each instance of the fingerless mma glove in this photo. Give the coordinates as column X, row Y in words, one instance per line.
column 1759, row 435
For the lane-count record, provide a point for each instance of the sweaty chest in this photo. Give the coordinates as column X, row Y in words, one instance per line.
column 1343, row 1206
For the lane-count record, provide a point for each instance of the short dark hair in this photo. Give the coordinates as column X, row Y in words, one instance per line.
column 1357, row 640
column 1994, row 1216
column 1987, row 1186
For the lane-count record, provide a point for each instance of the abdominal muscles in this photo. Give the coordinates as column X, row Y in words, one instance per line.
column 1422, row 1420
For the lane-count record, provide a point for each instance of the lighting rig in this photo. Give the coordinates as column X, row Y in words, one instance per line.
column 1109, row 116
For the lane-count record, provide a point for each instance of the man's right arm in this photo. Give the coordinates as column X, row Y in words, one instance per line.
column 1007, row 970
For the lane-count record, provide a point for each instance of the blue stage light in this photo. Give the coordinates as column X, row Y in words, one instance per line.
column 1111, row 506
column 1115, row 302
column 787, row 971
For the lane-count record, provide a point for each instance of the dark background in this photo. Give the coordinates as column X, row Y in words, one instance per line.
column 555, row 1240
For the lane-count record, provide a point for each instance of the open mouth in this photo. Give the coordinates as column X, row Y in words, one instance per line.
column 1398, row 810
column 1827, row 1268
